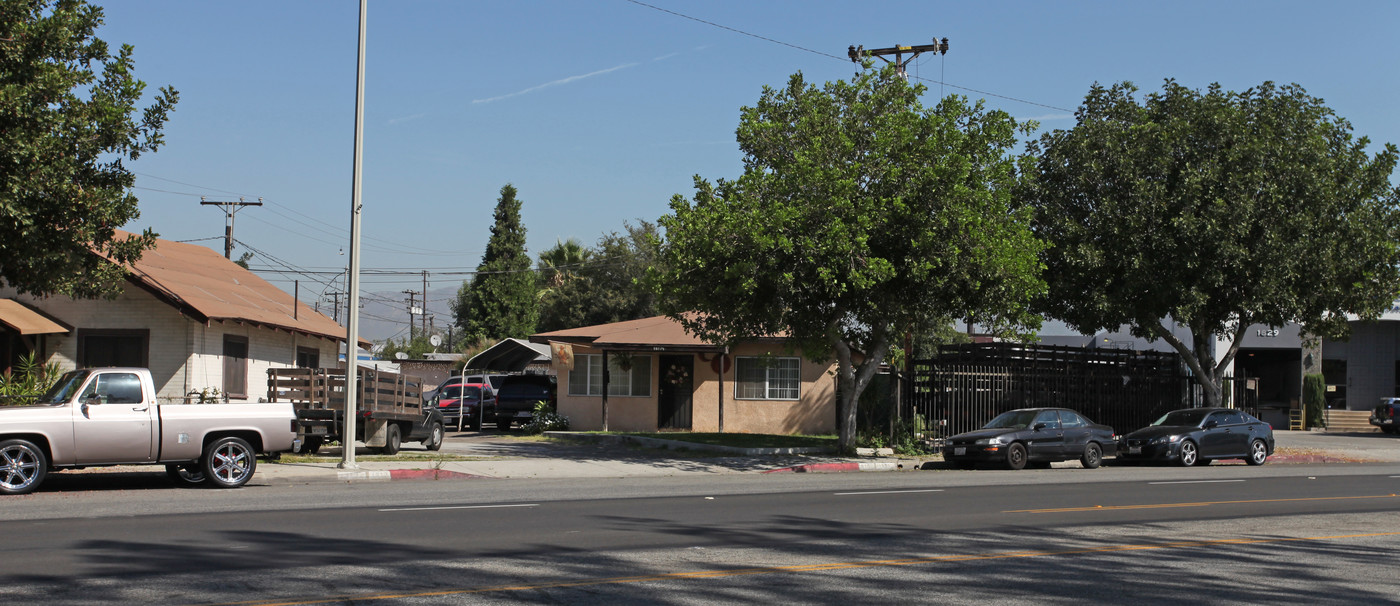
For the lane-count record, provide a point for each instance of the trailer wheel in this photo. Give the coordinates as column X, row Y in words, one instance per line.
column 22, row 466
column 392, row 440
column 312, row 445
column 185, row 474
column 435, row 438
column 229, row 462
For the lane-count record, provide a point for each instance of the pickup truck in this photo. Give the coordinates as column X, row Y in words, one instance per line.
column 109, row 416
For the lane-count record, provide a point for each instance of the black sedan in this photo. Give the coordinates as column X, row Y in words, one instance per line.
column 1035, row 436
column 1200, row 435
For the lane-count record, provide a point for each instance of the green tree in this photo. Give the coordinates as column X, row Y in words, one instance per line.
column 1214, row 210
column 499, row 301
column 68, row 120
column 860, row 214
column 609, row 285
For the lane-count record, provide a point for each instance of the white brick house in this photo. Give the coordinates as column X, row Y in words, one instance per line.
column 196, row 319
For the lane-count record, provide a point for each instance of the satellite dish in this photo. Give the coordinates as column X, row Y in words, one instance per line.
column 435, row 340
column 401, row 355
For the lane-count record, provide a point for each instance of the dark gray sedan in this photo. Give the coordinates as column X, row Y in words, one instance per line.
column 1034, row 436
column 1200, row 435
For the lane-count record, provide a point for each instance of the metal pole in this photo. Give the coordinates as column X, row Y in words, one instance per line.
column 352, row 338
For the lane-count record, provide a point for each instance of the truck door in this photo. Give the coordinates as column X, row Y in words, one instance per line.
column 114, row 421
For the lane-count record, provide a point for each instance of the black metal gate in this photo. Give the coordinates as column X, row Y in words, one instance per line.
column 966, row 385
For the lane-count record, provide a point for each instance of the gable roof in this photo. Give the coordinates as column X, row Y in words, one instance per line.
column 655, row 333
column 203, row 285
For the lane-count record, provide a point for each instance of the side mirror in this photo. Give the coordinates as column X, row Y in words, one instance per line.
column 1040, row 426
column 1210, row 425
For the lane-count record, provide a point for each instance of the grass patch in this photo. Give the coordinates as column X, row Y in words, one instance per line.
column 740, row 440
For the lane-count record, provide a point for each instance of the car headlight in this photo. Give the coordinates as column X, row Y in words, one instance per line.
column 990, row 441
column 1165, row 439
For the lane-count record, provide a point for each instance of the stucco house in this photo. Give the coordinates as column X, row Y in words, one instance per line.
column 197, row 320
column 662, row 378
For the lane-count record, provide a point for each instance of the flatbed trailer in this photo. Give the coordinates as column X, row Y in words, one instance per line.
column 390, row 407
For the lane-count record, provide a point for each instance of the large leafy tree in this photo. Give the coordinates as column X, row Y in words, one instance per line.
column 860, row 215
column 1214, row 210
column 499, row 301
column 603, row 284
column 68, row 121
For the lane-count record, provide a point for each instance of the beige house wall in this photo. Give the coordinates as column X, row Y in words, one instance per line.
column 814, row 412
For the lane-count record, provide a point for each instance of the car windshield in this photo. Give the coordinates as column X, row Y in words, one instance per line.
column 1016, row 419
column 453, row 392
column 1183, row 417
column 63, row 390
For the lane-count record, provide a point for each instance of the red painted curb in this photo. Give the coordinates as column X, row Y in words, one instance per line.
column 817, row 467
column 428, row 474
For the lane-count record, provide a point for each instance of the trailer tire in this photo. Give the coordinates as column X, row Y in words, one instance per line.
column 22, row 466
column 392, row 440
column 229, row 462
column 312, row 445
column 436, row 435
column 185, row 474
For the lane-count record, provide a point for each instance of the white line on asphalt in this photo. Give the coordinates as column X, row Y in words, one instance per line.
column 1197, row 482
column 459, row 507
column 842, row 494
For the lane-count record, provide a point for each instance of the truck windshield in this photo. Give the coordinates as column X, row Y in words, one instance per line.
column 63, row 390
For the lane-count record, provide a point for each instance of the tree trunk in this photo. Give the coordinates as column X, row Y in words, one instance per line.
column 852, row 380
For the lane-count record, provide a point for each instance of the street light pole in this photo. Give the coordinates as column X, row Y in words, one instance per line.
column 352, row 338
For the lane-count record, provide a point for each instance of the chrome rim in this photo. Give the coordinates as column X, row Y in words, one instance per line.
column 231, row 463
column 1260, row 452
column 18, row 467
column 1188, row 454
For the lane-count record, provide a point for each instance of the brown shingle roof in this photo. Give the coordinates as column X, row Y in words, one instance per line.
column 656, row 331
column 202, row 284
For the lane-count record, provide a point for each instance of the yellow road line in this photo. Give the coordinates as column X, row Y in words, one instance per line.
column 716, row 574
column 1198, row 504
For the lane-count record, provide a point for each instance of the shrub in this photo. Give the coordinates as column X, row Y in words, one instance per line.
column 545, row 419
column 1314, row 400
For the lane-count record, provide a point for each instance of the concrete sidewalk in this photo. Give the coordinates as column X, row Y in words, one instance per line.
column 502, row 458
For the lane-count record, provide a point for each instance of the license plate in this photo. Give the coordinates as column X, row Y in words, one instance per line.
column 1134, row 450
column 959, row 451
column 318, row 429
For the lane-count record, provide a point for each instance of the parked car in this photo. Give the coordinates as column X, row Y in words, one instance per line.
column 1033, row 436
column 1386, row 415
column 466, row 405
column 1200, row 435
column 515, row 402
column 493, row 380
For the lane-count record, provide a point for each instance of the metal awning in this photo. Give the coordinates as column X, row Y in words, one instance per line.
column 26, row 320
column 510, row 355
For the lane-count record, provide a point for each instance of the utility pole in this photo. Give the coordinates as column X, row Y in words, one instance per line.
column 412, row 309
column 424, row 331
column 857, row 53
column 230, row 208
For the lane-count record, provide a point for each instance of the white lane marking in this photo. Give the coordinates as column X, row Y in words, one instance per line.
column 1198, row 482
column 460, row 507
column 842, row 494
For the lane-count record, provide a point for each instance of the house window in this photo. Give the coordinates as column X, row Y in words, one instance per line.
column 767, row 378
column 98, row 348
column 235, row 366
column 630, row 376
column 308, row 357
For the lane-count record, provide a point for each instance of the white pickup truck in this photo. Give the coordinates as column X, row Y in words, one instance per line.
column 109, row 416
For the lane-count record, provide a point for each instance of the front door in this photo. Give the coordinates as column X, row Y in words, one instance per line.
column 113, row 421
column 676, row 392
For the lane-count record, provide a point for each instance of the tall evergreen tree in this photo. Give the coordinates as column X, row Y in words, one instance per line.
column 499, row 302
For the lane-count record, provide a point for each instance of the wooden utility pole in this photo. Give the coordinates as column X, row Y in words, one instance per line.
column 412, row 309
column 230, row 208
column 857, row 53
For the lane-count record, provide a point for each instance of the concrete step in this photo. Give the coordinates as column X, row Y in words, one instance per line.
column 1349, row 421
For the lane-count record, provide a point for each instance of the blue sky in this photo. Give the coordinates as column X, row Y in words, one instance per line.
column 598, row 111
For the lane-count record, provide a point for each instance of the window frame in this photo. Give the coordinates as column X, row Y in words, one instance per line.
column 768, row 379
column 588, row 362
column 235, row 366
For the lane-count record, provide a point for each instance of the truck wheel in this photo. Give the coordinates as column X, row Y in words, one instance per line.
column 185, row 474
column 503, row 424
column 22, row 466
column 435, row 437
column 474, row 425
column 229, row 462
column 392, row 440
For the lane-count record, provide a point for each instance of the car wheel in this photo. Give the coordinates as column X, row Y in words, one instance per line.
column 229, row 462
column 1189, row 455
column 1258, row 453
column 392, row 440
column 22, row 466
column 475, row 425
column 1092, row 457
column 1016, row 456
column 436, row 437
column 185, row 474
column 503, row 424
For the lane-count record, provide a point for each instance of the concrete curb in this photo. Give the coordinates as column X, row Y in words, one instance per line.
column 836, row 467
column 352, row 476
column 676, row 445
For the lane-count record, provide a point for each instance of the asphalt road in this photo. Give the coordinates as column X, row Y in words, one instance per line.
column 1301, row 534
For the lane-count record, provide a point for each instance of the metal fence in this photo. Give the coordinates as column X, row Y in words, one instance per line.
column 966, row 385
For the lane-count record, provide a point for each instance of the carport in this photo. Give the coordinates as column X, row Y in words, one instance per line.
column 511, row 355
